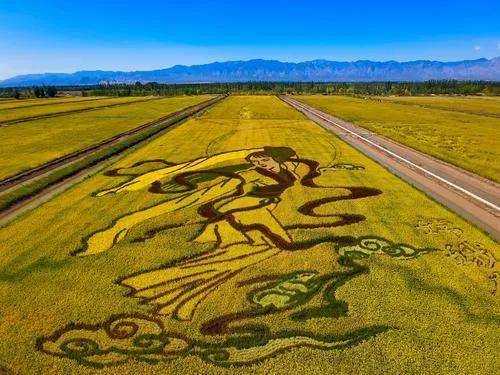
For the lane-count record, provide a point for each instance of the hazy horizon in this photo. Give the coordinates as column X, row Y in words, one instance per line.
column 220, row 61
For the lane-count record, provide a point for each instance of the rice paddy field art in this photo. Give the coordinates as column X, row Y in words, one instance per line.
column 460, row 131
column 244, row 240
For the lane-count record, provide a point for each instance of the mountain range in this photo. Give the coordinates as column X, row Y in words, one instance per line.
column 273, row 70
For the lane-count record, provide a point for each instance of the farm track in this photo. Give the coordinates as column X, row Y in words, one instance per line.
column 73, row 111
column 26, row 177
column 471, row 196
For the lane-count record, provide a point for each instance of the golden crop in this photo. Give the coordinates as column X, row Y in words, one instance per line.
column 349, row 270
column 467, row 140
column 40, row 110
column 485, row 106
column 9, row 103
column 28, row 144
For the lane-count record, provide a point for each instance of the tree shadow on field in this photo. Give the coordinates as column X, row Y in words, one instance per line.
column 41, row 264
column 416, row 283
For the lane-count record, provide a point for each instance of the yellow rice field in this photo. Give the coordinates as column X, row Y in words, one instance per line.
column 484, row 106
column 247, row 240
column 9, row 103
column 28, row 144
column 467, row 140
column 18, row 113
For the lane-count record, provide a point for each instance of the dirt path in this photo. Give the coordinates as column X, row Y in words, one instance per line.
column 24, row 176
column 473, row 197
column 73, row 111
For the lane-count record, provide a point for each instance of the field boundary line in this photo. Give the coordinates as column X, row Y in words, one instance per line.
column 23, row 176
column 45, row 104
column 428, row 106
column 73, row 111
column 423, row 154
column 401, row 158
column 485, row 216
column 52, row 189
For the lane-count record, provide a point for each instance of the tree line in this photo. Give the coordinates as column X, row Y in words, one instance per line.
column 327, row 88
column 30, row 92
column 441, row 87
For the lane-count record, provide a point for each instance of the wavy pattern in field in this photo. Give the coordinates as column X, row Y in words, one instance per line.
column 235, row 246
column 466, row 140
column 26, row 145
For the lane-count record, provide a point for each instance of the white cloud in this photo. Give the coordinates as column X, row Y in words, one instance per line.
column 477, row 48
column 498, row 45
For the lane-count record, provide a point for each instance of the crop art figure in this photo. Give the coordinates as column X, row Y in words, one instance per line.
column 236, row 194
column 247, row 205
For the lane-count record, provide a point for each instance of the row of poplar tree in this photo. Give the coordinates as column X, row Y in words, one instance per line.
column 326, row 88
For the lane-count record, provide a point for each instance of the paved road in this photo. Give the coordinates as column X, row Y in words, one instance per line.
column 471, row 196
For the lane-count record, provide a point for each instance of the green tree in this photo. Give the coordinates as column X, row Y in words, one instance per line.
column 39, row 92
column 51, row 91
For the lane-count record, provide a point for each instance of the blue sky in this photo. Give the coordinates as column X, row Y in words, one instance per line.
column 65, row 36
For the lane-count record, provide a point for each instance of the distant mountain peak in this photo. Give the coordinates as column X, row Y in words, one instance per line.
column 318, row 70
